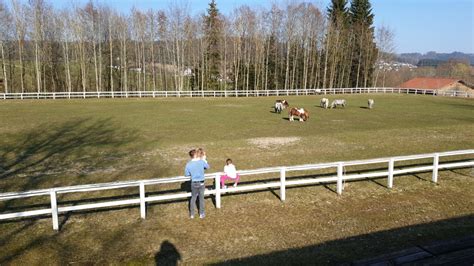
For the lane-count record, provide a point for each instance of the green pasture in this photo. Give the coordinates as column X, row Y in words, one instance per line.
column 60, row 142
column 48, row 143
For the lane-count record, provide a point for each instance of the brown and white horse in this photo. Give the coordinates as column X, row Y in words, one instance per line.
column 280, row 105
column 301, row 113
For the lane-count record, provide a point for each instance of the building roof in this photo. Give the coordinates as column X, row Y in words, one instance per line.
column 428, row 83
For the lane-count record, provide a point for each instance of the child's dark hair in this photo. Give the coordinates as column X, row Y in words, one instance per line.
column 192, row 153
column 228, row 161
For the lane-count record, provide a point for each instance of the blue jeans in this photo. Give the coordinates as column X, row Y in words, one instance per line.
column 197, row 187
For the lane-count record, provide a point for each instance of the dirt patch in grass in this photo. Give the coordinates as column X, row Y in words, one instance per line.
column 273, row 142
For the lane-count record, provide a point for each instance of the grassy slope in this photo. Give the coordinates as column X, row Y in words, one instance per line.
column 55, row 143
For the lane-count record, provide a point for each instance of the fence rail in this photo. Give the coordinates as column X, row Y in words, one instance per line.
column 217, row 191
column 221, row 93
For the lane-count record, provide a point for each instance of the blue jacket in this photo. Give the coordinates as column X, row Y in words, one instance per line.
column 195, row 169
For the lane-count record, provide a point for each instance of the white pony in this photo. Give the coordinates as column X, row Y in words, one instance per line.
column 340, row 102
column 324, row 103
column 371, row 103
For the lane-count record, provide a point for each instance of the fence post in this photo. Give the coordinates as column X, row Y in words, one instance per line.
column 435, row 168
column 282, row 185
column 218, row 191
column 391, row 165
column 142, row 201
column 339, row 178
column 54, row 209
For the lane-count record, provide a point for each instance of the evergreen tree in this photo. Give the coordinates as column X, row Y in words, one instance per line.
column 273, row 79
column 213, row 30
column 338, row 11
column 365, row 51
column 337, row 44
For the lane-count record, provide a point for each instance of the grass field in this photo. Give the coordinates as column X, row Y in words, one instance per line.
column 58, row 143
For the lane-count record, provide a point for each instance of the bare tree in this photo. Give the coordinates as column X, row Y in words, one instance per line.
column 386, row 48
column 5, row 26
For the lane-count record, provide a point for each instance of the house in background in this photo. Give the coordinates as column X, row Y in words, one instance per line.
column 440, row 84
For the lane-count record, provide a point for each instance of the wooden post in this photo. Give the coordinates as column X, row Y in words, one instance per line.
column 54, row 210
column 282, row 185
column 218, row 191
column 142, row 201
column 435, row 168
column 391, row 165
column 339, row 178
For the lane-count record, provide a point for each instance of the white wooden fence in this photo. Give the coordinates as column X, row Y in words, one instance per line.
column 217, row 191
column 221, row 93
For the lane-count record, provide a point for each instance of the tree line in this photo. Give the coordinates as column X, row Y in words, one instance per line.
column 95, row 48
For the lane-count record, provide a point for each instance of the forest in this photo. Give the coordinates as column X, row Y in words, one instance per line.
column 96, row 48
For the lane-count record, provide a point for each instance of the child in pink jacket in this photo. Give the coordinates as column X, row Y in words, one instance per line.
column 229, row 173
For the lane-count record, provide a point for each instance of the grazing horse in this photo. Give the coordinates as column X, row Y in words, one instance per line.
column 301, row 113
column 280, row 105
column 335, row 103
column 324, row 103
column 370, row 103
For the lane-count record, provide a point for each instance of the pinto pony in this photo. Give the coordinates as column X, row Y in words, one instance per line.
column 324, row 103
column 370, row 103
column 280, row 105
column 335, row 103
column 301, row 113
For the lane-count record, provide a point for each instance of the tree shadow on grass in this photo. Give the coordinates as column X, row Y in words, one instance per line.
column 75, row 147
column 55, row 154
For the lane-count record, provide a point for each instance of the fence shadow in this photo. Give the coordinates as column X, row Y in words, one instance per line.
column 355, row 250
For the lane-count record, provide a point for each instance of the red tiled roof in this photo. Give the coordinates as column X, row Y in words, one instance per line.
column 428, row 83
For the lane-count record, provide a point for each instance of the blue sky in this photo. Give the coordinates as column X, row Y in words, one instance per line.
column 419, row 25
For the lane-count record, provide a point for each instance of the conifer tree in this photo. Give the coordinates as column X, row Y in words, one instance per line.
column 213, row 31
column 365, row 51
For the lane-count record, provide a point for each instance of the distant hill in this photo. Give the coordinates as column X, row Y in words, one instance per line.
column 433, row 58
